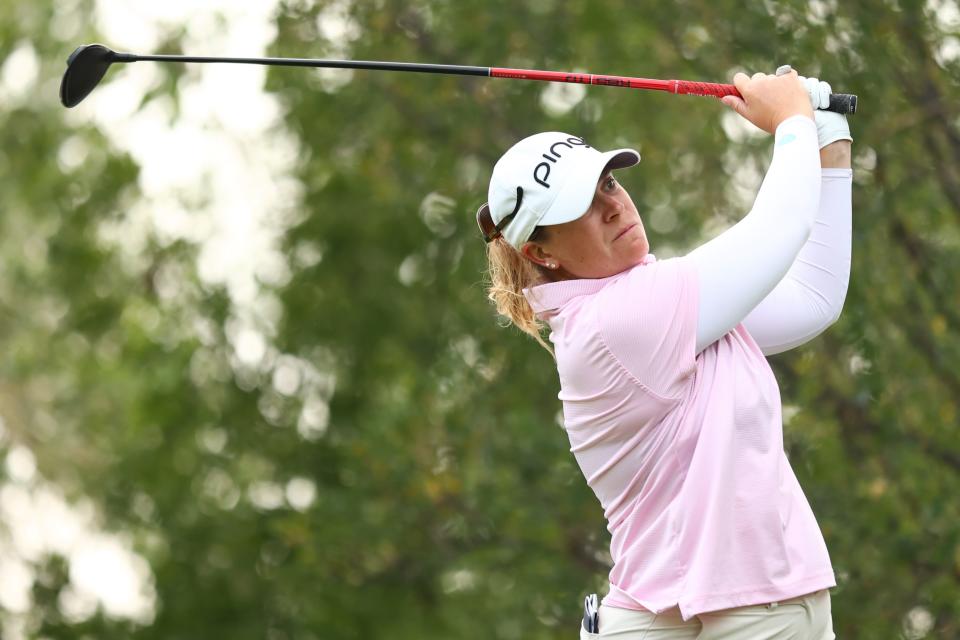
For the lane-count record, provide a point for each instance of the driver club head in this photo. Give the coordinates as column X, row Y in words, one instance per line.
column 86, row 66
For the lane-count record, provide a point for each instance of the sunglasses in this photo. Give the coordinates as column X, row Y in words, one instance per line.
column 490, row 230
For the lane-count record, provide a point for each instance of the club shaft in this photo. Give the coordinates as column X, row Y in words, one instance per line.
column 493, row 72
column 670, row 86
column 311, row 62
column 842, row 103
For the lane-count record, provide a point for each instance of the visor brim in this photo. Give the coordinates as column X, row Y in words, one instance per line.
column 576, row 196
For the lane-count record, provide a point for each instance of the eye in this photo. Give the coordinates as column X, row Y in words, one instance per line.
column 609, row 184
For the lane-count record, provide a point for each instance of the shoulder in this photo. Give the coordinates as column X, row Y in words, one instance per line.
column 649, row 281
column 648, row 320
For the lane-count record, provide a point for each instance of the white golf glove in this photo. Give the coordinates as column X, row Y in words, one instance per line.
column 830, row 126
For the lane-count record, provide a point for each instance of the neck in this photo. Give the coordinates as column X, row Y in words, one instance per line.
column 557, row 275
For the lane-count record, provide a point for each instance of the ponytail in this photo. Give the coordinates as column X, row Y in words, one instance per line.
column 509, row 274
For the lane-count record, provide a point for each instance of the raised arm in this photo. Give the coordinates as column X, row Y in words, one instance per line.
column 810, row 297
column 740, row 267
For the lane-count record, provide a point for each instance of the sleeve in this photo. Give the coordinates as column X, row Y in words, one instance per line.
column 648, row 321
column 741, row 266
column 810, row 297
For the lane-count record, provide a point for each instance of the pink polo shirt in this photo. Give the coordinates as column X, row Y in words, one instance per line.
column 683, row 450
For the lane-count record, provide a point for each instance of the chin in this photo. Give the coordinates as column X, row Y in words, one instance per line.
column 640, row 251
column 643, row 249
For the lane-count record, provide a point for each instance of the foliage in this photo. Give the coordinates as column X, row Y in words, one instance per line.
column 446, row 502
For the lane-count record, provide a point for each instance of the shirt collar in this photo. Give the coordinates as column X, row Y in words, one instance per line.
column 554, row 295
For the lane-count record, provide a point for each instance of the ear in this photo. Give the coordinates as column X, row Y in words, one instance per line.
column 536, row 254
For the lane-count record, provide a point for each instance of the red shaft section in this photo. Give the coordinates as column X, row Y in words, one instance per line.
column 671, row 86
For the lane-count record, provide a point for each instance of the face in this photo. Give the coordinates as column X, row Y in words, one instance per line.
column 607, row 239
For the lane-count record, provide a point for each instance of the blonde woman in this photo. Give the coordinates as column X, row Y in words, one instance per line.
column 671, row 408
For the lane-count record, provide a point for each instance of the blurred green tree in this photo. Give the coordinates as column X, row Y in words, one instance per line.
column 393, row 467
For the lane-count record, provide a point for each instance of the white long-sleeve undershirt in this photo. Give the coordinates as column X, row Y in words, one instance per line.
column 783, row 269
column 810, row 297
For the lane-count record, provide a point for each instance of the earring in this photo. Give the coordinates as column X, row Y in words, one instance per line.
column 551, row 265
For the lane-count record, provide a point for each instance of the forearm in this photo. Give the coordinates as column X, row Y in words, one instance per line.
column 810, row 297
column 836, row 155
column 739, row 268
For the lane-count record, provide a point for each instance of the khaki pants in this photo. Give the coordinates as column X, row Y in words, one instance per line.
column 802, row 618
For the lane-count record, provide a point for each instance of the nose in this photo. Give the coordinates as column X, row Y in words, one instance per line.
column 612, row 209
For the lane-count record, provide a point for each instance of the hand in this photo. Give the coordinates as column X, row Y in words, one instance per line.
column 818, row 91
column 768, row 100
column 830, row 126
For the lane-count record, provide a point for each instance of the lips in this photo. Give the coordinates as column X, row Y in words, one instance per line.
column 624, row 231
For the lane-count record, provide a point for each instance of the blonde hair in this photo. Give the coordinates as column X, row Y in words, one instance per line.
column 508, row 274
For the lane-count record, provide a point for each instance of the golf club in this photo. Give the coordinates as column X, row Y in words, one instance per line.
column 87, row 65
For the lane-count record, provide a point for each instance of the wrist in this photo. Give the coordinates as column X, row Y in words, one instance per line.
column 831, row 127
column 795, row 123
column 794, row 118
column 792, row 114
column 836, row 155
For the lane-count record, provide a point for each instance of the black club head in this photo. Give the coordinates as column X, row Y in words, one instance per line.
column 85, row 68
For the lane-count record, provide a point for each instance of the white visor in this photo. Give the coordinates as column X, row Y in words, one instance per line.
column 547, row 178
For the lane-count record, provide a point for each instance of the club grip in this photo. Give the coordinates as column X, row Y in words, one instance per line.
column 842, row 103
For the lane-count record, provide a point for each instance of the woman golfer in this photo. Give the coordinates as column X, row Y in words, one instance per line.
column 672, row 411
